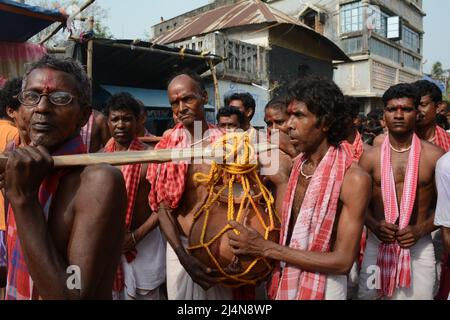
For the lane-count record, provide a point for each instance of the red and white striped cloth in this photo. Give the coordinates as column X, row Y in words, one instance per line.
column 393, row 261
column 357, row 148
column 314, row 225
column 169, row 179
column 442, row 139
column 131, row 174
column 86, row 132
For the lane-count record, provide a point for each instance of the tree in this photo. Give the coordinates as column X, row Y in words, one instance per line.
column 437, row 72
column 95, row 10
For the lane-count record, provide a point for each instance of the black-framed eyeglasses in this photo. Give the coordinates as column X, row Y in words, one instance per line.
column 32, row 98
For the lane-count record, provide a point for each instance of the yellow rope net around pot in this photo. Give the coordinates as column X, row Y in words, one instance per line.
column 235, row 193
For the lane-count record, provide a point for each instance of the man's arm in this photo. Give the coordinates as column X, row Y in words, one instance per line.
column 97, row 229
column 349, row 230
column 409, row 236
column 198, row 272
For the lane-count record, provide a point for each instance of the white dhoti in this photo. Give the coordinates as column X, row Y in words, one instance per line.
column 423, row 272
column 336, row 287
column 353, row 282
column 180, row 285
column 147, row 272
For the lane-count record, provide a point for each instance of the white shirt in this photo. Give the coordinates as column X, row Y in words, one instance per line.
column 442, row 218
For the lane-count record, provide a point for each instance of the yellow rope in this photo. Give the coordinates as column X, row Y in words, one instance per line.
column 240, row 166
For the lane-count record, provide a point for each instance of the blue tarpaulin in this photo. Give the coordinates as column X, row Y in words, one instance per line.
column 19, row 22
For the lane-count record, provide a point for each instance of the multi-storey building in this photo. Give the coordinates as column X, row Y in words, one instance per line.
column 385, row 50
column 384, row 39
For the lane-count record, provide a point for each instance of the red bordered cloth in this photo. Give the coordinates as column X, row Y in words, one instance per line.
column 442, row 139
column 20, row 286
column 168, row 180
column 131, row 174
column 395, row 262
column 314, row 225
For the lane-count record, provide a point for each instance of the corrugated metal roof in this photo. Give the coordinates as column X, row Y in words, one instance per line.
column 245, row 13
column 239, row 14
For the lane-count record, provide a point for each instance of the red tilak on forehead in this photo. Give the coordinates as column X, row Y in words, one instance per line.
column 290, row 108
column 48, row 80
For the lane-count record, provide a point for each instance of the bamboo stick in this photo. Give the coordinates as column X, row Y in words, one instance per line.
column 134, row 157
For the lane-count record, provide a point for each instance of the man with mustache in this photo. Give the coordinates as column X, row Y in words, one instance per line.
column 399, row 261
column 323, row 210
column 427, row 128
column 142, row 270
column 176, row 198
column 65, row 226
column 229, row 119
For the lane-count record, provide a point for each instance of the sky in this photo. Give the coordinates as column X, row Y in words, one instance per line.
column 132, row 19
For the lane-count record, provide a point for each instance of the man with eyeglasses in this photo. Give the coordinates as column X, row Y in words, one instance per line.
column 65, row 226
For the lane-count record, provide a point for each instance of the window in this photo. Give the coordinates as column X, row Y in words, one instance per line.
column 384, row 50
column 352, row 45
column 352, row 17
column 411, row 61
column 382, row 25
column 411, row 39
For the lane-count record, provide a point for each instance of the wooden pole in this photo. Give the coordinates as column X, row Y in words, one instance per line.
column 148, row 156
column 90, row 50
column 216, row 84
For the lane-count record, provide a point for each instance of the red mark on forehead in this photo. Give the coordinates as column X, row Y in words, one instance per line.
column 48, row 80
column 269, row 117
column 290, row 108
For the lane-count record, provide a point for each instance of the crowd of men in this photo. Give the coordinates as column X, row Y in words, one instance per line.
column 364, row 202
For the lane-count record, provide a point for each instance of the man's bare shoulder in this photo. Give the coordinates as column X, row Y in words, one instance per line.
column 357, row 177
column 104, row 176
column 370, row 157
column 378, row 141
column 431, row 152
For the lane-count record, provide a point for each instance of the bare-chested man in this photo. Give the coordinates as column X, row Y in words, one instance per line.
column 323, row 215
column 399, row 258
column 178, row 198
column 65, row 227
column 143, row 268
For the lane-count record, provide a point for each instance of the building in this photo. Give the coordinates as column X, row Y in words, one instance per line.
column 264, row 49
column 385, row 50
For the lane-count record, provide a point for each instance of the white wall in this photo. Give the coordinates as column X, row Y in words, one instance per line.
column 227, row 88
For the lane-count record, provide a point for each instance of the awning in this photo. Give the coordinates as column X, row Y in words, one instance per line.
column 19, row 22
column 140, row 65
column 150, row 97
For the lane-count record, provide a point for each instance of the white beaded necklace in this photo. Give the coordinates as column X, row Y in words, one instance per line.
column 307, row 177
column 402, row 150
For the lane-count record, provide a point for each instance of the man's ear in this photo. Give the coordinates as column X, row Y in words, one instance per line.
column 250, row 113
column 10, row 112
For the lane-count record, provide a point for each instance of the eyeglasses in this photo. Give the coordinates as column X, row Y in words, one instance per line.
column 32, row 98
